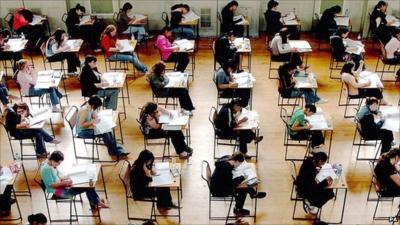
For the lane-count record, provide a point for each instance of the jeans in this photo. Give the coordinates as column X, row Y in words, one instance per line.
column 91, row 194
column 132, row 58
column 111, row 96
column 3, row 95
column 40, row 135
column 55, row 95
column 138, row 31
column 184, row 32
column 108, row 138
column 309, row 95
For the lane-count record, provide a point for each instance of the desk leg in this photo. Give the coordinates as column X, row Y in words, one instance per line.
column 104, row 183
column 255, row 205
column 344, row 205
column 330, row 143
column 257, row 135
column 179, row 205
column 120, row 129
column 123, row 102
column 249, row 62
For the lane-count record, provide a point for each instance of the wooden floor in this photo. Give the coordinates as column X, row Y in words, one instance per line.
column 274, row 172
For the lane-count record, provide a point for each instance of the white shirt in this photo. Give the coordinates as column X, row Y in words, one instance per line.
column 277, row 47
column 391, row 47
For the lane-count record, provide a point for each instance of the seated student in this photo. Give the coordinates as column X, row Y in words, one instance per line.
column 228, row 118
column 387, row 174
column 57, row 50
column 223, row 184
column 226, row 85
column 149, row 117
column 158, row 81
column 372, row 130
column 90, row 33
column 315, row 194
column 225, row 50
column 21, row 25
column 299, row 128
column 17, row 124
column 86, row 120
column 393, row 50
column 27, row 79
column 141, row 175
column 383, row 29
column 91, row 83
column 287, row 86
column 274, row 23
column 281, row 50
column 228, row 22
column 37, row 219
column 177, row 15
column 339, row 50
column 61, row 186
column 125, row 23
column 5, row 199
column 109, row 45
column 14, row 56
column 327, row 24
column 167, row 50
column 351, row 76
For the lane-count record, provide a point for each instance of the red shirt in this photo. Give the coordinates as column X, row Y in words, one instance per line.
column 106, row 43
column 19, row 21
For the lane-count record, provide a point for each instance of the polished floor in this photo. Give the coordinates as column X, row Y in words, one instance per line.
column 273, row 171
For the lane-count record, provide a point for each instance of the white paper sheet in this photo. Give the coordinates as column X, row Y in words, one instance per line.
column 325, row 172
column 106, row 123
column 245, row 170
column 366, row 76
column 163, row 175
column 16, row 44
column 184, row 44
column 301, row 45
column 39, row 115
column 190, row 16
column 5, row 178
column 36, row 20
column 124, row 46
column 82, row 174
column 84, row 19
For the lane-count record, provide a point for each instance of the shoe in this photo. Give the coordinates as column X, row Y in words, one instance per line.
column 241, row 212
column 43, row 155
column 322, row 101
column 258, row 139
column 306, row 206
column 313, row 210
column 187, row 112
column 398, row 74
column 183, row 155
column 189, row 150
column 123, row 155
column 173, row 206
column 247, row 157
column 102, row 204
column 97, row 50
column 259, row 195
column 4, row 213
column 56, row 109
column 55, row 141
column 12, row 201
column 317, row 149
column 393, row 143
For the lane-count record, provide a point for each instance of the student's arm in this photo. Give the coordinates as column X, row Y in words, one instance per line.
column 359, row 69
column 396, row 179
column 83, row 123
column 162, row 44
column 58, row 49
column 52, row 181
column 107, row 45
column 283, row 48
column 352, row 82
column 153, row 123
column 296, row 127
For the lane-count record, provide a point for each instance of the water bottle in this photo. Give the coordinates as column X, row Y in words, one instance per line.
column 339, row 169
column 359, row 36
column 22, row 36
column 248, row 81
column 346, row 13
column 132, row 37
column 294, row 11
column 18, row 160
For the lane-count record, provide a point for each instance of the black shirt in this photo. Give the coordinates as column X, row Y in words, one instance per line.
column 72, row 20
column 176, row 18
column 222, row 182
column 286, row 85
column 139, row 182
column 88, row 79
column 273, row 20
column 383, row 170
column 306, row 183
column 338, row 48
column 224, row 51
column 12, row 120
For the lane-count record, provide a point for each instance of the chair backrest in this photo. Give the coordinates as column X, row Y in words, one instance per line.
column 206, row 172
column 383, row 50
column 293, row 170
column 124, row 176
column 372, row 23
column 219, row 17
column 284, row 116
column 213, row 116
column 316, row 16
column 165, row 18
column 115, row 17
column 9, row 18
column 64, row 17
column 71, row 117
column 377, row 184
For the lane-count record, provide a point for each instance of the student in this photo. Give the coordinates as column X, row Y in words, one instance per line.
column 228, row 23
column 299, row 127
column 109, row 45
column 281, row 50
column 21, row 25
column 327, row 23
column 225, row 50
column 5, row 199
column 90, row 33
column 126, row 23
column 149, row 117
column 287, row 86
column 315, row 194
column 167, row 50
column 57, row 50
column 61, row 186
column 227, row 86
column 378, row 17
column 223, row 184
column 91, row 83
column 177, row 16
column 393, row 50
column 27, row 79
column 228, row 119
column 158, row 81
column 273, row 20
column 350, row 76
column 87, row 119
column 5, row 96
column 372, row 130
column 13, row 56
column 17, row 124
column 141, row 175
column 339, row 49
column 37, row 219
column 387, row 173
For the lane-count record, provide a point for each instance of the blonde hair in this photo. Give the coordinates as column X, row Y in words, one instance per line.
column 21, row 63
column 110, row 28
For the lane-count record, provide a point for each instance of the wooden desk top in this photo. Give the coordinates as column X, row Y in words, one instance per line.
column 75, row 45
column 244, row 184
column 113, row 80
column 86, row 185
column 16, row 45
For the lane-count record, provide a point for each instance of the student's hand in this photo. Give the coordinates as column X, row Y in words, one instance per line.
column 329, row 180
column 293, row 50
column 233, row 85
column 361, row 62
column 66, row 183
column 308, row 126
column 244, row 119
column 6, row 46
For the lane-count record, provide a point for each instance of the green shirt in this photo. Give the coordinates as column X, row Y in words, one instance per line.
column 49, row 176
column 297, row 116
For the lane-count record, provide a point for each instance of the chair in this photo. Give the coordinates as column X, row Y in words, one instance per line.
column 40, row 102
column 9, row 18
column 380, row 198
column 387, row 66
column 165, row 18
column 212, row 47
column 286, row 101
column 363, row 142
column 206, row 176
column 156, row 96
column 124, row 176
column 335, row 65
column 167, row 64
column 348, row 100
column 271, row 60
column 219, row 20
column 221, row 95
column 371, row 35
column 289, row 141
column 227, row 141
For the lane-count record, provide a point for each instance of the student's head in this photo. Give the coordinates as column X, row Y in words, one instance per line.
column 95, row 102
column 59, row 36
column 80, row 10
column 336, row 10
column 145, row 157
column 22, row 64
column 236, row 105
column 237, row 158
column 320, row 158
column 127, row 7
column 158, row 68
column 231, row 35
column 288, row 68
column 393, row 156
column 396, row 33
column 37, row 219
column 151, row 109
column 309, row 110
column 27, row 14
column 185, row 9
column 176, row 7
column 91, row 62
column 348, row 67
column 167, row 31
column 343, row 32
column 272, row 4
column 284, row 33
column 372, row 104
column 382, row 6
column 110, row 31
column 232, row 6
column 21, row 109
column 56, row 158
column 229, row 67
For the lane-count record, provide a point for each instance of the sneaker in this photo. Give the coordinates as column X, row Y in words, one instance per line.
column 313, row 210
column 258, row 139
column 56, row 109
column 97, row 50
column 55, row 141
column 393, row 143
column 123, row 155
column 241, row 212
column 102, row 204
column 317, row 149
column 259, row 195
column 183, row 155
column 247, row 157
column 189, row 150
column 306, row 206
column 322, row 101
column 187, row 112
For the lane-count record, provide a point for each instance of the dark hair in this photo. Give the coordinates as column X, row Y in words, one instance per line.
column 320, row 156
column 229, row 5
column 38, row 218
column 80, row 8
column 23, row 106
column 89, row 59
column 336, row 9
column 186, row 6
column 56, row 156
column 158, row 68
column 235, row 101
column 380, row 4
column 312, row 108
column 27, row 14
column 370, row 101
column 347, row 68
column 165, row 29
column 284, row 68
column 272, row 4
column 147, row 109
column 58, row 36
column 127, row 6
column 143, row 157
column 237, row 156
column 284, row 35
column 95, row 101
column 176, row 6
column 230, row 33
column 343, row 30
column 229, row 64
column 396, row 31
column 390, row 154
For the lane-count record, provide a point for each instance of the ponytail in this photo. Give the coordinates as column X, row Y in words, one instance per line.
column 390, row 154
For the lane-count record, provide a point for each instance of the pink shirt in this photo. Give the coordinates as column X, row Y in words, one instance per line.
column 164, row 46
column 25, row 81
